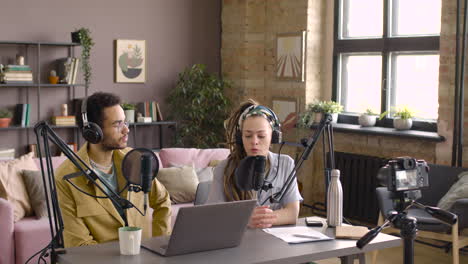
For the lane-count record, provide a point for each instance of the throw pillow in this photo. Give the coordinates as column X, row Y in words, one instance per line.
column 203, row 174
column 35, row 187
column 181, row 183
column 214, row 163
column 12, row 187
column 458, row 190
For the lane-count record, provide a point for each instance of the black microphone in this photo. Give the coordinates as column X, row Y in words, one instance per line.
column 250, row 173
column 146, row 177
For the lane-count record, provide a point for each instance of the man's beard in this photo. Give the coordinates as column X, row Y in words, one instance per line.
column 107, row 146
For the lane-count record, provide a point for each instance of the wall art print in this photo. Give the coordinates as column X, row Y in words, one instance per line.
column 130, row 61
column 290, row 50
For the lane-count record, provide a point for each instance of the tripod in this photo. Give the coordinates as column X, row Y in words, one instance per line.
column 402, row 201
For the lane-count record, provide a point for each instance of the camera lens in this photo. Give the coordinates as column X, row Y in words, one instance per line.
column 409, row 164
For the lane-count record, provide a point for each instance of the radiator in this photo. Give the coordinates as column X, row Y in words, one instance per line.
column 358, row 178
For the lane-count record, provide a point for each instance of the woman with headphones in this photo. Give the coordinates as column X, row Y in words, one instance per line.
column 250, row 131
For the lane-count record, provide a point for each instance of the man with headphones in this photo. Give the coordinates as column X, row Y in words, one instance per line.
column 250, row 131
column 89, row 219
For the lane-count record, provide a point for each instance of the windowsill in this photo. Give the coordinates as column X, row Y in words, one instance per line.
column 385, row 131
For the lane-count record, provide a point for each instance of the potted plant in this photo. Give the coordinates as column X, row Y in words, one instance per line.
column 368, row 118
column 5, row 117
column 333, row 108
column 200, row 107
column 402, row 118
column 83, row 36
column 129, row 110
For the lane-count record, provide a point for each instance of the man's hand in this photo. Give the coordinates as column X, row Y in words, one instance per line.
column 262, row 217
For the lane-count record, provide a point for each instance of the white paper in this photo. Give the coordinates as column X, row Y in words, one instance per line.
column 297, row 234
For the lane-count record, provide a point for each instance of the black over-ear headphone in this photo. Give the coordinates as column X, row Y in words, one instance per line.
column 276, row 136
column 91, row 131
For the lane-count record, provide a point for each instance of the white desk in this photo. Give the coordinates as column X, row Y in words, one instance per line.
column 256, row 247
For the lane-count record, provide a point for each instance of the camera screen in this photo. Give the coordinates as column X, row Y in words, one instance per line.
column 406, row 180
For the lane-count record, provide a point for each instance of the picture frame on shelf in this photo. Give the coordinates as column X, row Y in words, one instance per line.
column 286, row 111
column 290, row 56
column 130, row 61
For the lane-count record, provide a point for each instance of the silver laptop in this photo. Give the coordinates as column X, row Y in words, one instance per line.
column 204, row 227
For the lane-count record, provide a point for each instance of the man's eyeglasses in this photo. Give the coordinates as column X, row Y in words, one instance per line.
column 119, row 125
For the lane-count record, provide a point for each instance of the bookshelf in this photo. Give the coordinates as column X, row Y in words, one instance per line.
column 38, row 56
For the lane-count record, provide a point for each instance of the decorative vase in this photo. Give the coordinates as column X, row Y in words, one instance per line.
column 130, row 116
column 75, row 36
column 367, row 120
column 402, row 124
column 53, row 79
column 317, row 117
column 334, row 118
column 5, row 122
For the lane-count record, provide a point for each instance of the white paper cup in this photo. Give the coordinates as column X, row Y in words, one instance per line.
column 129, row 240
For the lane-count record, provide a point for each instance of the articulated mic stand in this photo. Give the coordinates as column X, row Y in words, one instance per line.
column 44, row 133
column 324, row 125
column 408, row 225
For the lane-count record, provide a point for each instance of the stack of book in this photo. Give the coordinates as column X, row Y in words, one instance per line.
column 7, row 153
column 16, row 74
column 63, row 120
column 21, row 115
column 67, row 69
column 150, row 109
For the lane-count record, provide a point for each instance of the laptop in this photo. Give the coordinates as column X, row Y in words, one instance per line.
column 204, row 227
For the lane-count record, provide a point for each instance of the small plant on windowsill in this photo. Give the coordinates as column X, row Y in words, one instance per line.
column 312, row 113
column 333, row 108
column 402, row 118
column 368, row 118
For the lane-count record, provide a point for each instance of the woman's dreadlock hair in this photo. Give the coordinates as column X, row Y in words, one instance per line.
column 237, row 154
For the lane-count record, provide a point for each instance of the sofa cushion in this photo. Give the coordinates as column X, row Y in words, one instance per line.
column 35, row 187
column 459, row 190
column 12, row 187
column 200, row 158
column 181, row 183
column 31, row 235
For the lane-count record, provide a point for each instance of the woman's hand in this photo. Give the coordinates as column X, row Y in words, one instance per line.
column 262, row 217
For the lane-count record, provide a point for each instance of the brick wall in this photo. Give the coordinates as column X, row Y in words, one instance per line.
column 248, row 60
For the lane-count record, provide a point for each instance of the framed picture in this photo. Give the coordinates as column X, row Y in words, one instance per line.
column 130, row 61
column 286, row 110
column 290, row 51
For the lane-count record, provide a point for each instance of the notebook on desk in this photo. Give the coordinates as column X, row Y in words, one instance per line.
column 204, row 227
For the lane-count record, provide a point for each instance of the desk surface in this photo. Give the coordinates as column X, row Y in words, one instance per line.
column 256, row 247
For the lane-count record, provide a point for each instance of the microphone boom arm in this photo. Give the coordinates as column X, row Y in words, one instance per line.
column 325, row 122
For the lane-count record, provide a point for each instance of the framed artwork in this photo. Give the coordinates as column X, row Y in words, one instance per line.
column 130, row 61
column 286, row 110
column 290, row 51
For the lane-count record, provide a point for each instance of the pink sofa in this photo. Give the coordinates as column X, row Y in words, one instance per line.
column 22, row 239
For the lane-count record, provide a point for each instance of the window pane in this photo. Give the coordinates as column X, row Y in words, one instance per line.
column 361, row 18
column 415, row 83
column 416, row 17
column 360, row 82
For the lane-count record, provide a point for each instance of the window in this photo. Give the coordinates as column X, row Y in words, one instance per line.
column 386, row 55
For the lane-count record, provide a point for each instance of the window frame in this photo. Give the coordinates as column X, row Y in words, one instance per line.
column 385, row 46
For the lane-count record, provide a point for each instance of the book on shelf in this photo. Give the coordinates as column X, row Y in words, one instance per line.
column 64, row 69
column 17, row 74
column 21, row 115
column 63, row 120
column 13, row 67
column 75, row 67
column 160, row 117
column 150, row 109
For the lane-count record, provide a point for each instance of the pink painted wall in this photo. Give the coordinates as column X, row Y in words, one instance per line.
column 178, row 33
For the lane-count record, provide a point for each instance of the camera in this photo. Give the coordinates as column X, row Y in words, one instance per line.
column 404, row 174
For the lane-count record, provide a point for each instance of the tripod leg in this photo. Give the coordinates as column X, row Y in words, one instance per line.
column 455, row 245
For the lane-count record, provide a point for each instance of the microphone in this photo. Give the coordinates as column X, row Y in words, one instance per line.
column 140, row 166
column 250, row 174
column 146, row 177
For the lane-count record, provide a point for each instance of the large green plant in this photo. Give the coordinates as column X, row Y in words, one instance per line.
column 87, row 43
column 200, row 107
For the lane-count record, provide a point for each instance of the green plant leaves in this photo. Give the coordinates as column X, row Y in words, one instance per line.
column 200, row 107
